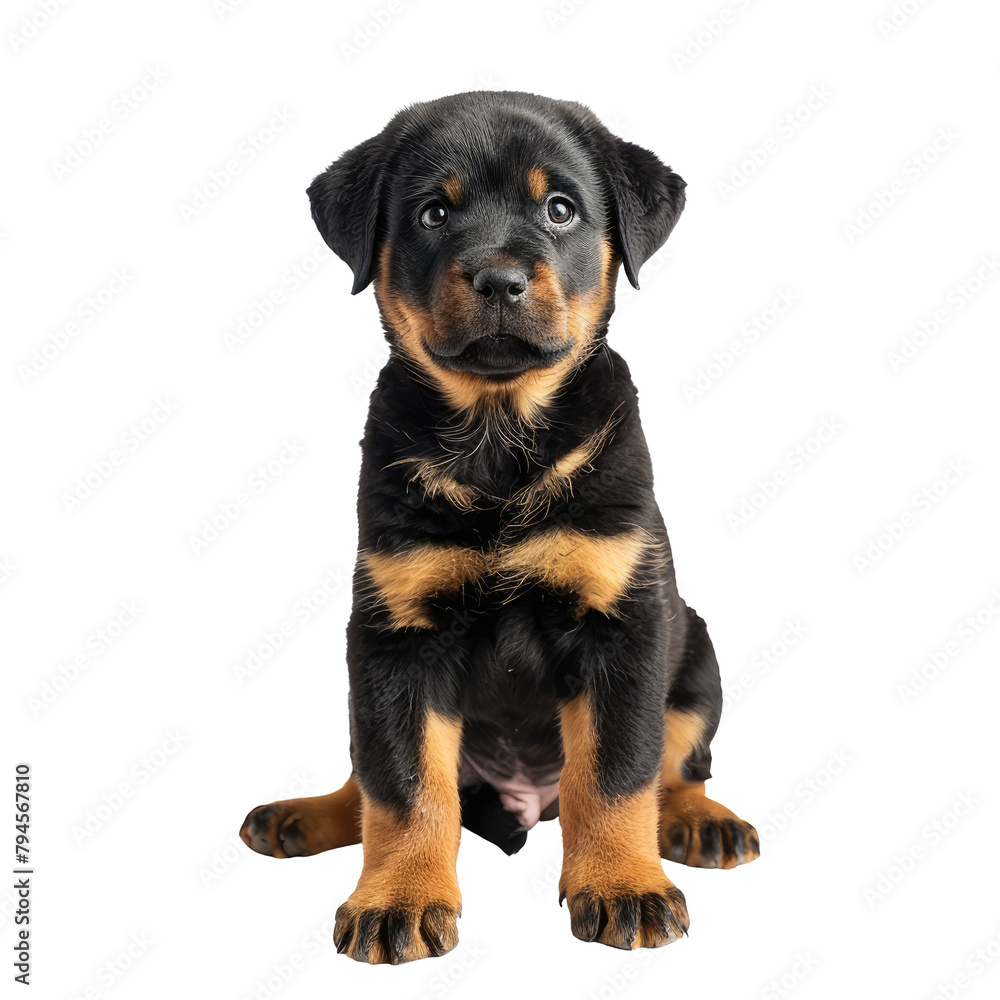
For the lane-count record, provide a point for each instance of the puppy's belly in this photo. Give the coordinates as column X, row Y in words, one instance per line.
column 528, row 802
column 523, row 768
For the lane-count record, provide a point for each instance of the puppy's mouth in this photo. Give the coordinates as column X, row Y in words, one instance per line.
column 499, row 356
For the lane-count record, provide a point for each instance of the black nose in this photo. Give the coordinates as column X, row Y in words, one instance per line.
column 500, row 284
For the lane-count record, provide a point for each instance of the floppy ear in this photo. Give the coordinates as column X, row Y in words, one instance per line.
column 647, row 199
column 345, row 200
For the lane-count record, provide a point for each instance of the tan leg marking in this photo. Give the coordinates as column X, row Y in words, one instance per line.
column 682, row 735
column 407, row 900
column 612, row 877
column 300, row 827
column 694, row 829
column 405, row 581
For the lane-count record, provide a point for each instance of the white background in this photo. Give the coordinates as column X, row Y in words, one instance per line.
column 875, row 879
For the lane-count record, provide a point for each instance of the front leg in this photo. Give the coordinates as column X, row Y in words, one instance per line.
column 405, row 738
column 612, row 877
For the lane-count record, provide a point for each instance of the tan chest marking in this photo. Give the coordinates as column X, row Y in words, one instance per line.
column 557, row 479
column 597, row 568
column 559, row 476
column 406, row 581
column 438, row 483
column 551, row 483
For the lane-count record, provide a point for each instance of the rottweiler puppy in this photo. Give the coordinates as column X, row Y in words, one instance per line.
column 517, row 648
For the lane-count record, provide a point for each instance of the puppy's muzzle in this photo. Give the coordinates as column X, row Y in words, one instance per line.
column 494, row 323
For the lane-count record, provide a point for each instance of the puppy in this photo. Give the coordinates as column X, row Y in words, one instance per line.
column 517, row 647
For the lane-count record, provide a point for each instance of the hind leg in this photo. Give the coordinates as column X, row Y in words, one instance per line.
column 299, row 827
column 694, row 829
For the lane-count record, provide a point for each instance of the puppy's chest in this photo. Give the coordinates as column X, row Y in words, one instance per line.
column 531, row 530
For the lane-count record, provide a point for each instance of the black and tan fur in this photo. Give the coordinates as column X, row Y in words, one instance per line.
column 516, row 617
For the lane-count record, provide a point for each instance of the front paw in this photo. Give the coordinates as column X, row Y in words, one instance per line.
column 395, row 932
column 649, row 914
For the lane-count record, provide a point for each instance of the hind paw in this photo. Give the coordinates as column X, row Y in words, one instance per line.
column 696, row 831
column 297, row 828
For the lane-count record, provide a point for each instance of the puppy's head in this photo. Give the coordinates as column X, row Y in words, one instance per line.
column 492, row 224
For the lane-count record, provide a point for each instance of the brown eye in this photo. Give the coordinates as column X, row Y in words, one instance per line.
column 560, row 210
column 434, row 216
